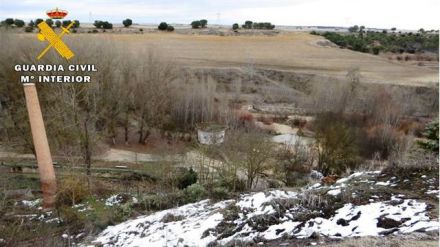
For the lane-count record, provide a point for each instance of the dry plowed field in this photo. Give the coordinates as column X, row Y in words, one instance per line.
column 299, row 52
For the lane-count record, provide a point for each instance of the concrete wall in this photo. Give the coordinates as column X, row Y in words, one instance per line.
column 211, row 137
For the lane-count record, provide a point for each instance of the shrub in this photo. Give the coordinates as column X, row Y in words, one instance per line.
column 38, row 21
column 101, row 24
column 194, row 193
column 203, row 23
column 19, row 23
column 294, row 163
column 31, row 23
column 258, row 25
column 246, row 117
column 432, row 138
column 353, row 29
column 107, row 25
column 376, row 50
column 336, row 140
column 76, row 24
column 248, row 25
column 102, row 216
column 170, row 28
column 101, row 189
column 235, row 26
column 66, row 23
column 49, row 22
column 72, row 190
column 199, row 23
column 171, row 218
column 298, row 122
column 58, row 23
column 411, row 162
column 401, row 43
column 188, row 178
column 268, row 25
column 196, row 24
column 379, row 139
column 71, row 216
column 127, row 22
column 29, row 29
column 162, row 26
column 219, row 193
column 162, row 201
column 9, row 21
column 98, row 24
column 231, row 183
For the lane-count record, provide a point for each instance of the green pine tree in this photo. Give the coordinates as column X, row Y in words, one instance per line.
column 431, row 134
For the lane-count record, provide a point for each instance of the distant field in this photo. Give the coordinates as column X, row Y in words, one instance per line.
column 294, row 51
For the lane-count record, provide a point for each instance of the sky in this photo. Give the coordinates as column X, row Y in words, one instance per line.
column 402, row 14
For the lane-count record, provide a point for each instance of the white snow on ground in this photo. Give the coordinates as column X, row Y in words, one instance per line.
column 292, row 139
column 31, row 204
column 334, row 192
column 257, row 201
column 344, row 180
column 429, row 192
column 287, row 226
column 387, row 183
column 362, row 220
column 152, row 231
column 113, row 200
column 197, row 224
column 118, row 199
column 82, row 207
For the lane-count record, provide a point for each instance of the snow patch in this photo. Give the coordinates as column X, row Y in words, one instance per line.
column 334, row 192
column 31, row 204
column 152, row 231
column 356, row 221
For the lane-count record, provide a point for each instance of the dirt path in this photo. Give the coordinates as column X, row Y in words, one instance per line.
column 126, row 156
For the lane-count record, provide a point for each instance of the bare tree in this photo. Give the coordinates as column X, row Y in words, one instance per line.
column 79, row 113
column 152, row 96
column 247, row 154
column 126, row 87
column 196, row 101
column 13, row 116
column 337, row 96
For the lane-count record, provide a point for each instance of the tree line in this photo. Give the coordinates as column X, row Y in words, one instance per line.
column 163, row 26
column 375, row 42
column 10, row 22
column 254, row 25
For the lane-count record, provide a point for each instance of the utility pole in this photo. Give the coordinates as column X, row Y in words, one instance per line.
column 41, row 145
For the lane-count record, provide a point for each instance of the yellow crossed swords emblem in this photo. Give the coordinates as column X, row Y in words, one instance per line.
column 47, row 33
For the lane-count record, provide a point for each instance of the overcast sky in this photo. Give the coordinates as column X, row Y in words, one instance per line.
column 403, row 14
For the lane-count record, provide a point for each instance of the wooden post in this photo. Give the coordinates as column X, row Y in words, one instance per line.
column 41, row 145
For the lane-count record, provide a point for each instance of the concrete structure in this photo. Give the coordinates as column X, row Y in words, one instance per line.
column 41, row 145
column 210, row 134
